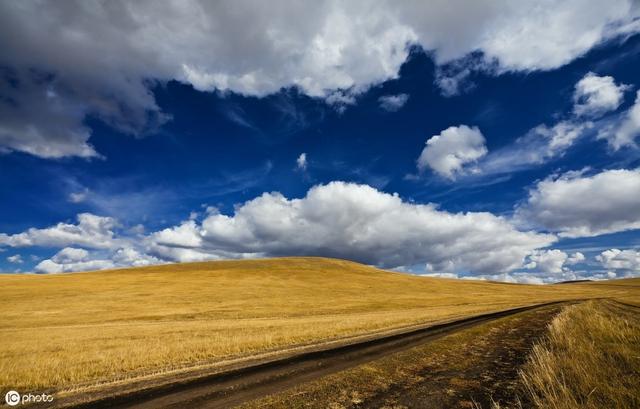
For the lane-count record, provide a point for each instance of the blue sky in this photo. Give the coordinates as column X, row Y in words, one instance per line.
column 391, row 140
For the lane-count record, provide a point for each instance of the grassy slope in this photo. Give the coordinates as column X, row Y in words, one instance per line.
column 588, row 360
column 60, row 331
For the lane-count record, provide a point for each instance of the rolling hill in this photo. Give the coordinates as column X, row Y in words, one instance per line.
column 76, row 330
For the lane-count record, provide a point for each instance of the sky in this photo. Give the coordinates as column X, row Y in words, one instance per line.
column 466, row 139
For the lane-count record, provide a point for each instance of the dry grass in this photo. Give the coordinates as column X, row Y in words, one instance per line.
column 65, row 331
column 589, row 359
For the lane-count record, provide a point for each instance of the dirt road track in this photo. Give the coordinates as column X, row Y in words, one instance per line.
column 224, row 390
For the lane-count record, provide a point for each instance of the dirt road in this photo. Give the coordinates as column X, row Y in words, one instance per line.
column 231, row 388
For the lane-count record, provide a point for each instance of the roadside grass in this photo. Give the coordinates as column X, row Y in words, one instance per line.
column 589, row 359
column 72, row 331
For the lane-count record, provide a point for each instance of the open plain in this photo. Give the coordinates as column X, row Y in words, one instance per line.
column 79, row 334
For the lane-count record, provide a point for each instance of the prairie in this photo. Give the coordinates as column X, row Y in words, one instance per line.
column 74, row 331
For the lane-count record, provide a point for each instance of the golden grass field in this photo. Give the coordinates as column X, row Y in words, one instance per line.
column 589, row 359
column 71, row 331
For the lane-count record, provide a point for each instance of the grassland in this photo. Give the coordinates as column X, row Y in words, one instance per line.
column 589, row 359
column 71, row 331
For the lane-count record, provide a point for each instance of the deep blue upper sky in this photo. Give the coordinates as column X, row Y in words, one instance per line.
column 222, row 148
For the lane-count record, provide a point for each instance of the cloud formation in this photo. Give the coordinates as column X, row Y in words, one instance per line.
column 71, row 259
column 64, row 62
column 343, row 220
column 91, row 231
column 553, row 261
column 15, row 259
column 448, row 152
column 595, row 95
column 620, row 262
column 393, row 103
column 575, row 205
column 355, row 222
column 625, row 130
column 301, row 162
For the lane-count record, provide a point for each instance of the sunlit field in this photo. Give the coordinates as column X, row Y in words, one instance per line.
column 72, row 331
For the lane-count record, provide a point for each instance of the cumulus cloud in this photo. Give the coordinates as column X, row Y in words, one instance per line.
column 553, row 261
column 66, row 61
column 71, row 259
column 91, row 231
column 548, row 261
column 595, row 95
column 356, row 222
column 543, row 277
column 575, row 205
column 301, row 162
column 15, row 259
column 393, row 103
column 360, row 223
column 576, row 258
column 622, row 262
column 448, row 152
column 624, row 131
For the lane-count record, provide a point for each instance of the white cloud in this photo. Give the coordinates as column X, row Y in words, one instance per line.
column 69, row 255
column 448, row 152
column 595, row 95
column 101, row 59
column 51, row 267
column 544, row 277
column 553, row 261
column 128, row 256
column 15, row 259
column 72, row 259
column 91, row 231
column 624, row 131
column 355, row 222
column 184, row 235
column 548, row 261
column 516, row 278
column 393, row 103
column 339, row 219
column 576, row 258
column 301, row 162
column 560, row 136
column 624, row 262
column 539, row 145
column 575, row 205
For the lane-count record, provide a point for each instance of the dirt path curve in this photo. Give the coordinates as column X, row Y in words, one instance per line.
column 225, row 390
